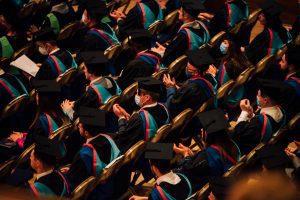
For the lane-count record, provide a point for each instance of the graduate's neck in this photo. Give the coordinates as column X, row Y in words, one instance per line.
column 43, row 168
column 93, row 77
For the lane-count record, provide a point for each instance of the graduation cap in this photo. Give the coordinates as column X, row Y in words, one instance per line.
column 213, row 121
column 273, row 156
column 220, row 186
column 159, row 151
column 271, row 7
column 200, row 59
column 149, row 84
column 92, row 117
column 138, row 34
column 274, row 89
column 49, row 151
column 193, row 7
column 45, row 34
column 93, row 57
column 46, row 86
column 96, row 8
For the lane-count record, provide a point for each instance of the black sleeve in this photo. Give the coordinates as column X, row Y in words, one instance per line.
column 45, row 72
column 37, row 129
column 248, row 134
column 132, row 21
column 130, row 132
column 175, row 49
column 77, row 172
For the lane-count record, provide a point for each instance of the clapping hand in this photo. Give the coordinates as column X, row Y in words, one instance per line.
column 160, row 49
column 120, row 112
column 183, row 150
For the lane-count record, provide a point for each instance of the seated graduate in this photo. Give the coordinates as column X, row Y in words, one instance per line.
column 61, row 14
column 220, row 153
column 169, row 185
column 11, row 32
column 99, row 149
column 49, row 116
column 290, row 65
column 145, row 63
column 197, row 89
column 191, row 35
column 252, row 129
column 142, row 125
column 274, row 35
column 231, row 13
column 44, row 157
column 100, row 35
column 101, row 87
column 141, row 16
column 58, row 61
column 11, row 87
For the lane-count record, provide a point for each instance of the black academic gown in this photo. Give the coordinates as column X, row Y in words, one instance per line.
column 54, row 181
column 48, row 70
column 78, row 171
column 5, row 94
column 132, row 131
column 179, row 45
column 190, row 95
column 181, row 190
column 221, row 20
column 92, row 42
column 134, row 18
column 195, row 168
column 136, row 68
column 64, row 16
column 248, row 134
column 90, row 98
column 259, row 47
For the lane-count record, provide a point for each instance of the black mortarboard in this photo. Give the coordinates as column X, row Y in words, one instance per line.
column 46, row 86
column 274, row 89
column 200, row 59
column 92, row 117
column 273, row 156
column 159, row 151
column 45, row 34
column 220, row 186
column 193, row 7
column 93, row 57
column 213, row 121
column 149, row 84
column 96, row 8
column 48, row 150
column 271, row 7
column 138, row 34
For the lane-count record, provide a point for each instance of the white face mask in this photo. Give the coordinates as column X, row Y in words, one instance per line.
column 137, row 100
column 84, row 19
column 43, row 51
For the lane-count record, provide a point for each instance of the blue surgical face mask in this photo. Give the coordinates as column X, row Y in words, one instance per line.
column 137, row 100
column 223, row 48
column 188, row 74
column 258, row 102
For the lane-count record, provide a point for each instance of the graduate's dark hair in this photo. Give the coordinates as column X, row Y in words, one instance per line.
column 49, row 103
column 233, row 68
column 46, row 159
column 155, row 96
column 164, row 166
column 97, row 69
column 92, row 130
column 223, row 140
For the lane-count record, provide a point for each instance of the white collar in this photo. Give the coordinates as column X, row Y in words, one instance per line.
column 55, row 50
column 170, row 178
column 150, row 105
column 95, row 80
column 38, row 176
column 90, row 139
column 1, row 71
column 274, row 111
